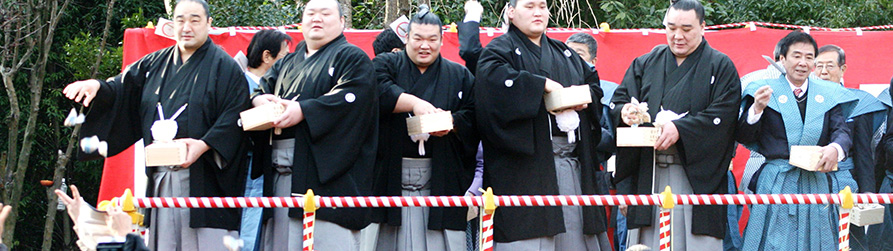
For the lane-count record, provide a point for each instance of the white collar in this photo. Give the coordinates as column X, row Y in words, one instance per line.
column 251, row 75
column 802, row 87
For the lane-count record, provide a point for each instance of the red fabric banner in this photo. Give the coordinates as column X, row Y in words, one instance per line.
column 868, row 57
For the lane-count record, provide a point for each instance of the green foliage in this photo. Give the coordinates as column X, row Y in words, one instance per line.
column 633, row 13
column 135, row 20
column 80, row 55
column 255, row 13
column 368, row 14
column 820, row 13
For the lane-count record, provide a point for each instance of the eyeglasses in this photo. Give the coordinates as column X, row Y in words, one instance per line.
column 821, row 67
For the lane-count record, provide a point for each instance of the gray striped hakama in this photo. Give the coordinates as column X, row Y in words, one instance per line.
column 567, row 171
column 169, row 228
column 669, row 172
column 282, row 233
column 413, row 234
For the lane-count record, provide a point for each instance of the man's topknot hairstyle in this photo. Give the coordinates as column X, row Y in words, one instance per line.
column 686, row 5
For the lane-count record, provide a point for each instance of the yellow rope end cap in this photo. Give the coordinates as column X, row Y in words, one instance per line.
column 846, row 198
column 309, row 201
column 489, row 201
column 667, row 201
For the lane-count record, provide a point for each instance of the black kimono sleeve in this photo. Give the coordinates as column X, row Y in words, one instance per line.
column 862, row 154
column 389, row 91
column 470, row 44
column 704, row 131
column 113, row 113
column 228, row 103
column 343, row 117
column 508, row 99
column 464, row 119
column 839, row 132
column 628, row 88
column 884, row 152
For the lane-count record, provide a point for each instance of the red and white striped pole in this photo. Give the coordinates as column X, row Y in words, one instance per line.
column 846, row 205
column 309, row 219
column 665, row 228
column 487, row 211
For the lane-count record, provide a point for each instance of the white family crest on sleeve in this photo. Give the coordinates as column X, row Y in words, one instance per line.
column 350, row 97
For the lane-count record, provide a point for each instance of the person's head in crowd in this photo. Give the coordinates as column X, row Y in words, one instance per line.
column 798, row 52
column 266, row 47
column 387, row 41
column 531, row 17
column 425, row 38
column 192, row 21
column 585, row 46
column 684, row 23
column 830, row 64
column 322, row 22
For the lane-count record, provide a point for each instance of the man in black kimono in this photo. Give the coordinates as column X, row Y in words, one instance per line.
column 198, row 73
column 328, row 131
column 419, row 81
column 525, row 152
column 692, row 152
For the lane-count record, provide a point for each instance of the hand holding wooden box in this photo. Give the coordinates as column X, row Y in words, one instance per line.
column 806, row 157
column 567, row 97
column 637, row 136
column 168, row 153
column 428, row 123
column 261, row 118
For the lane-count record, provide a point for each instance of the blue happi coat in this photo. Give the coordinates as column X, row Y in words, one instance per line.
column 794, row 227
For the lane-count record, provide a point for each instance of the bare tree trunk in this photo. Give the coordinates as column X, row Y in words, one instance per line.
column 52, row 200
column 347, row 10
column 63, row 158
column 404, row 7
column 391, row 12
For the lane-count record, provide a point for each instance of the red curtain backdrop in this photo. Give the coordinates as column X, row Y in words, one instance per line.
column 868, row 59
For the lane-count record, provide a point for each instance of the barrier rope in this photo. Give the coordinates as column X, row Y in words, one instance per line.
column 488, row 204
column 508, row 200
column 791, row 26
column 711, row 27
